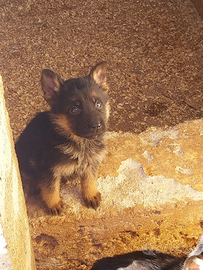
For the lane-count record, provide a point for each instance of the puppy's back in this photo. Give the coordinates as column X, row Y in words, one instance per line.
column 35, row 140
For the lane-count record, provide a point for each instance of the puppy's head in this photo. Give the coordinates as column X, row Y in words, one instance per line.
column 194, row 263
column 80, row 104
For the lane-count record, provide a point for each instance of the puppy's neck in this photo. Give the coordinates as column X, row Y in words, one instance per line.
column 63, row 128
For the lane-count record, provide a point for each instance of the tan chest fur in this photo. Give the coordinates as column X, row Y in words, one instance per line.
column 81, row 161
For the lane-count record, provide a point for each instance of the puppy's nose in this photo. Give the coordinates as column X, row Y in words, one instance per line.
column 96, row 126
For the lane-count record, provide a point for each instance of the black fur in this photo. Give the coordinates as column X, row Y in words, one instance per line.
column 152, row 260
column 139, row 260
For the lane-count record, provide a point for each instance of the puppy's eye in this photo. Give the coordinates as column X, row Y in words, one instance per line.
column 98, row 104
column 74, row 110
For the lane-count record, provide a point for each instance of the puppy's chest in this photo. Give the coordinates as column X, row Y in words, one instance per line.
column 77, row 158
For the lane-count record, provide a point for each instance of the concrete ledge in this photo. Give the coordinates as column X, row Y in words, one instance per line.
column 16, row 251
column 152, row 192
column 75, row 243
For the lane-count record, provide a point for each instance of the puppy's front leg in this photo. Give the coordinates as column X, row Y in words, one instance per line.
column 91, row 195
column 50, row 195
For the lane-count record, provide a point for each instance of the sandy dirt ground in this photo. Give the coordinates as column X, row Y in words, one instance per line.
column 154, row 49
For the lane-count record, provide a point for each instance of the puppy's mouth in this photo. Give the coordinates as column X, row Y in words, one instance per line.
column 93, row 135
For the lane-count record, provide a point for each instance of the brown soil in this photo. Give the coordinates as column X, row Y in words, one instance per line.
column 154, row 49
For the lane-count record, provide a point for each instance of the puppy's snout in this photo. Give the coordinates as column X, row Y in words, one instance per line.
column 96, row 126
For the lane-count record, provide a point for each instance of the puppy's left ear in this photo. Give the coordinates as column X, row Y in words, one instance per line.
column 51, row 85
column 98, row 74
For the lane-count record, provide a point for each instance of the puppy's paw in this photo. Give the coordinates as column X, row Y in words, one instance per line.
column 94, row 201
column 57, row 209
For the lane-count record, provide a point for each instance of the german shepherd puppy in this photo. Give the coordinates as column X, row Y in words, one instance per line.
column 153, row 260
column 67, row 141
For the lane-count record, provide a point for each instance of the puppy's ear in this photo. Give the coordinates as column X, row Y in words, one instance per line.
column 98, row 74
column 51, row 84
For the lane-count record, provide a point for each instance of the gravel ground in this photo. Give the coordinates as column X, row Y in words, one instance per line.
column 154, row 49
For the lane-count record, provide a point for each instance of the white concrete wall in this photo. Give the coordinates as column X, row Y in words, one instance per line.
column 15, row 241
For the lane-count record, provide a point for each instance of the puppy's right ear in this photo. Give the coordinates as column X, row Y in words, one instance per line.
column 51, row 84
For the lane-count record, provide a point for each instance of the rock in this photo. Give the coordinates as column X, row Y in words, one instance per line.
column 141, row 202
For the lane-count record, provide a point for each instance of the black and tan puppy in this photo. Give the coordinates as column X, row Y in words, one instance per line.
column 153, row 260
column 67, row 141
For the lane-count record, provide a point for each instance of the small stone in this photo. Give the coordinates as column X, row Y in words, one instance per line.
column 178, row 152
column 183, row 171
column 147, row 155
